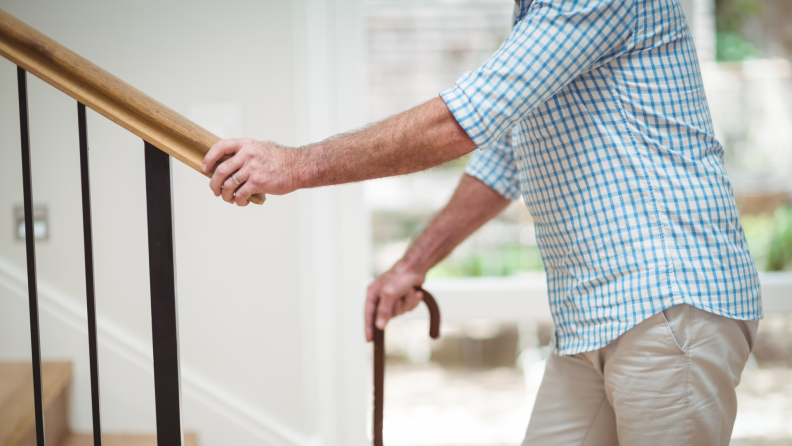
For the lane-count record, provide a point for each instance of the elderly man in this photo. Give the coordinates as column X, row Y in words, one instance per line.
column 594, row 111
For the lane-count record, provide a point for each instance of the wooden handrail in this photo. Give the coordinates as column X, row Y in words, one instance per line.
column 106, row 94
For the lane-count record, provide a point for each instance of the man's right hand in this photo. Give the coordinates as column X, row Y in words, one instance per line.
column 392, row 294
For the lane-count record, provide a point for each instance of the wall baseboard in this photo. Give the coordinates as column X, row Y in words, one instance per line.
column 212, row 397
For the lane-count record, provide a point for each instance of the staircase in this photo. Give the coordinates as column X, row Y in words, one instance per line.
column 17, row 417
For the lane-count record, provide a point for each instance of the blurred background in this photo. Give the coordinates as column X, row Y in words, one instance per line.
column 476, row 385
column 270, row 298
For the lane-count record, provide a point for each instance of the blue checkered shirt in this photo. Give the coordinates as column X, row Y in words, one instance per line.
column 594, row 111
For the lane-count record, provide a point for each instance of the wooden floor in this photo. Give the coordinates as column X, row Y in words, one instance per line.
column 17, row 415
column 122, row 440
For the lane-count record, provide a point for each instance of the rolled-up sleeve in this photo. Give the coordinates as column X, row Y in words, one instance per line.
column 554, row 43
column 497, row 168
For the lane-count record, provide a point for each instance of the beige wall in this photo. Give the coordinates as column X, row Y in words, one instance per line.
column 247, row 297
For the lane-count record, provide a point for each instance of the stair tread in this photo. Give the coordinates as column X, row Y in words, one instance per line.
column 17, row 415
column 122, row 440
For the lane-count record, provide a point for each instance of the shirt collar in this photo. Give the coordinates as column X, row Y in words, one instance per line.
column 520, row 11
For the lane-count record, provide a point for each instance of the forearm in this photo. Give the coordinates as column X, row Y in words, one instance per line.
column 473, row 204
column 418, row 139
column 394, row 292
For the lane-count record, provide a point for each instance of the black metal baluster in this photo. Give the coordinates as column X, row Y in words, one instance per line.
column 89, row 273
column 164, row 315
column 30, row 245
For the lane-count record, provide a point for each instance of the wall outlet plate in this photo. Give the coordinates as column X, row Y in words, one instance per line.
column 41, row 228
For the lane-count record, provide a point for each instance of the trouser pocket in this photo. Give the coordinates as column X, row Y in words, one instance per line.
column 679, row 320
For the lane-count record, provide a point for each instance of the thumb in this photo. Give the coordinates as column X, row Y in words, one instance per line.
column 383, row 312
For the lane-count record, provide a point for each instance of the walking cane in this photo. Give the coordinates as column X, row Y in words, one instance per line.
column 379, row 360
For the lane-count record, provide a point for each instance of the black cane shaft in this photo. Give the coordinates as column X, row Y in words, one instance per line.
column 379, row 361
column 379, row 384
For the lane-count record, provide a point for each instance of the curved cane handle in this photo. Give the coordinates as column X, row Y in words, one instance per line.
column 379, row 360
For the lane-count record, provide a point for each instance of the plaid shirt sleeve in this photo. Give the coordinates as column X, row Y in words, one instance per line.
column 497, row 168
column 552, row 45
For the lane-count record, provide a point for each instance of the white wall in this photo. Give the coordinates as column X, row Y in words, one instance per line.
column 263, row 362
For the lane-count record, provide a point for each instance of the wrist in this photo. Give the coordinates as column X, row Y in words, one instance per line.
column 412, row 265
column 303, row 175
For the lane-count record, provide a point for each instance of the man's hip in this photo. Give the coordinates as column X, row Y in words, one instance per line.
column 667, row 381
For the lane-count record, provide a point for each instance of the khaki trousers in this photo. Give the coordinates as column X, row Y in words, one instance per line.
column 668, row 381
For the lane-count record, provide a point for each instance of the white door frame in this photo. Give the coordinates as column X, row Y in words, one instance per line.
column 330, row 51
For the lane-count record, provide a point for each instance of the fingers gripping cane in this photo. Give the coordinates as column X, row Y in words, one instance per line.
column 379, row 360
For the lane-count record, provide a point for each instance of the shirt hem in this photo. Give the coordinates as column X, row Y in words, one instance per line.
column 569, row 351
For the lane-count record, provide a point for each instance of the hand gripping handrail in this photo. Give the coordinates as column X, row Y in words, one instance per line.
column 106, row 94
column 379, row 360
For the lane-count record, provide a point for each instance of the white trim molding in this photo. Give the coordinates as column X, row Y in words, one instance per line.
column 334, row 246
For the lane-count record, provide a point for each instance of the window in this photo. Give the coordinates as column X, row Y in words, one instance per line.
column 417, row 49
